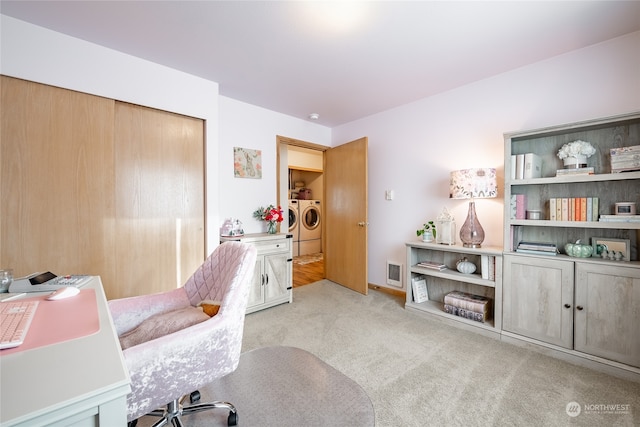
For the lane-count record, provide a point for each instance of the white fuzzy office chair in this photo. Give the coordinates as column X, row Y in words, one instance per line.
column 165, row 369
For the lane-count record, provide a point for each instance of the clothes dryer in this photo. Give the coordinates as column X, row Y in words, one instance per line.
column 310, row 226
column 294, row 225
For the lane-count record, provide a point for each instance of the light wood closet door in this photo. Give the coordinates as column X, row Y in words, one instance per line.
column 57, row 172
column 159, row 219
column 94, row 186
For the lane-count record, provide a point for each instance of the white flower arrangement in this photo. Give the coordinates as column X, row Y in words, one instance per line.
column 576, row 148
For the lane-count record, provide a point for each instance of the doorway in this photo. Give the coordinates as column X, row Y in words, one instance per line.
column 344, row 206
column 301, row 181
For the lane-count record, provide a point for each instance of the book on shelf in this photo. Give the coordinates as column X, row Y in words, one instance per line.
column 488, row 267
column 467, row 301
column 432, row 265
column 518, row 206
column 532, row 166
column 538, row 246
column 519, row 166
column 467, row 314
column 535, row 252
column 574, row 208
column 577, row 171
column 419, row 288
column 619, row 218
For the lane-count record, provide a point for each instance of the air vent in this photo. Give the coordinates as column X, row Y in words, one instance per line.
column 394, row 274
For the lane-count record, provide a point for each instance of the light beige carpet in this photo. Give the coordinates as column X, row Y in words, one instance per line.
column 419, row 372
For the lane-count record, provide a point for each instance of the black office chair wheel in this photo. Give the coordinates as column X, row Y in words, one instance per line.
column 233, row 419
column 194, row 396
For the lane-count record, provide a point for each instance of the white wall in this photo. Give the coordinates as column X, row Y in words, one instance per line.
column 247, row 126
column 413, row 148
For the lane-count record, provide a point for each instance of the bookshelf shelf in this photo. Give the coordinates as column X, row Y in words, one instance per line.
column 439, row 283
column 623, row 176
column 577, row 224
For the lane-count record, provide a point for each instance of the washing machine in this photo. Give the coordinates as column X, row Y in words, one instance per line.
column 310, row 226
column 294, row 225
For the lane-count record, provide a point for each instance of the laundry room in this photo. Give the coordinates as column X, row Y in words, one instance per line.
column 305, row 201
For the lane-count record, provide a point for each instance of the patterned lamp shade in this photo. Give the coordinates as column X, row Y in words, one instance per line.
column 473, row 184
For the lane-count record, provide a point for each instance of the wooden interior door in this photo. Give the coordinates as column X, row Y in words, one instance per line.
column 346, row 215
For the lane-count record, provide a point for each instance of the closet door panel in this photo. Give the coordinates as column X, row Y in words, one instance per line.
column 159, row 198
column 56, row 157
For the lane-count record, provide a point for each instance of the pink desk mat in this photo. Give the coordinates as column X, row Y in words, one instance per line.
column 62, row 320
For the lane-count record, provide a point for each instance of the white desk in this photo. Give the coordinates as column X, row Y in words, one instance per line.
column 81, row 382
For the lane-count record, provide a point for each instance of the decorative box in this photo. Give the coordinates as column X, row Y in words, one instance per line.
column 625, row 159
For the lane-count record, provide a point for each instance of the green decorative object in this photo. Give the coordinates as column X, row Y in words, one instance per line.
column 578, row 250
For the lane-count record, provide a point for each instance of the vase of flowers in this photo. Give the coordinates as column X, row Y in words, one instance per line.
column 272, row 215
column 574, row 154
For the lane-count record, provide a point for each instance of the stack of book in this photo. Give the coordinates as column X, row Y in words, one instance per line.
column 574, row 208
column 537, row 248
column 576, row 171
column 473, row 307
column 488, row 267
column 518, row 206
column 619, row 218
column 432, row 265
column 526, row 166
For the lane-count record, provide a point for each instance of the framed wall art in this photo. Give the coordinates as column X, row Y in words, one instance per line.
column 247, row 163
column 607, row 246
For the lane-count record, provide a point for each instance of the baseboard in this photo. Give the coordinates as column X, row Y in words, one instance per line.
column 609, row 367
column 386, row 290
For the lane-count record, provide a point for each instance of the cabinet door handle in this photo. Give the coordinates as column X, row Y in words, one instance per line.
column 567, row 306
column 262, row 281
column 267, row 277
column 579, row 307
column 363, row 224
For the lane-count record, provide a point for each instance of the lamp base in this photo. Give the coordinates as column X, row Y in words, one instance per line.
column 471, row 245
column 472, row 233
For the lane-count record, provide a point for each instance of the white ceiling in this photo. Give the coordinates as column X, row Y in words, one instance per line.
column 285, row 56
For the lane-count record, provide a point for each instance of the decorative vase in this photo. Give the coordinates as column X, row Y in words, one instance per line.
column 575, row 162
column 427, row 236
column 271, row 227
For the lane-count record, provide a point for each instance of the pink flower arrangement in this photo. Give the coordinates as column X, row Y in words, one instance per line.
column 271, row 214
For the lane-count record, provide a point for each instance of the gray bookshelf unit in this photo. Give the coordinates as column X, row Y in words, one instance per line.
column 584, row 309
column 439, row 283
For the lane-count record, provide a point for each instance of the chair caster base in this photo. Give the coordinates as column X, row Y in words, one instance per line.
column 233, row 419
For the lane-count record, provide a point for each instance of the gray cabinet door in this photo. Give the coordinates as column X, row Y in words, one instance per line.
column 607, row 312
column 538, row 298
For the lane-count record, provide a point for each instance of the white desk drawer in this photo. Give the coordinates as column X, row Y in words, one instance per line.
column 273, row 246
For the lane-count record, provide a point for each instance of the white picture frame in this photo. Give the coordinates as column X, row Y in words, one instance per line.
column 419, row 288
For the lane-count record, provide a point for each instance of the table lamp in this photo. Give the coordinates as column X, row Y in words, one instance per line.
column 472, row 184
